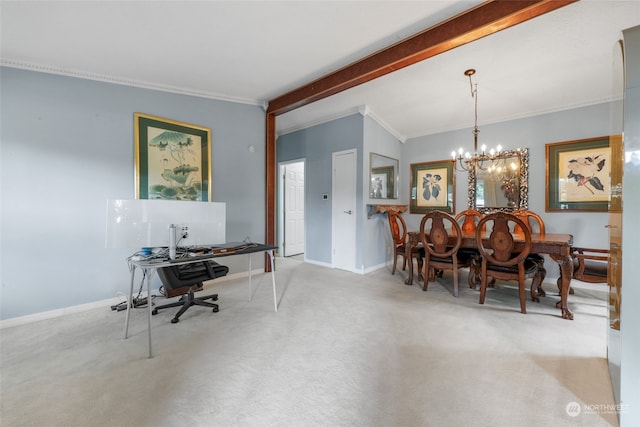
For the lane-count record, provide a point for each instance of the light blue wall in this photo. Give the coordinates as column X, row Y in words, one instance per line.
column 67, row 147
column 319, row 141
column 316, row 144
column 587, row 228
column 376, row 242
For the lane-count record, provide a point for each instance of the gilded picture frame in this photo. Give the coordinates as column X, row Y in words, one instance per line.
column 578, row 175
column 432, row 187
column 172, row 159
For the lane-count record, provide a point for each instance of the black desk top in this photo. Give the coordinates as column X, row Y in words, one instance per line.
column 203, row 252
column 186, row 255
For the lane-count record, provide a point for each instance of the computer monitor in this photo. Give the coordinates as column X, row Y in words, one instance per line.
column 140, row 223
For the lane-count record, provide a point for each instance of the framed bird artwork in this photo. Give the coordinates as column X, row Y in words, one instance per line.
column 578, row 175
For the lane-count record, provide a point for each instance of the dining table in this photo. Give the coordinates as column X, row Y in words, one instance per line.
column 557, row 246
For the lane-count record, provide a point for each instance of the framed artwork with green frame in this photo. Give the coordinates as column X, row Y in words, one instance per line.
column 578, row 175
column 172, row 159
column 433, row 187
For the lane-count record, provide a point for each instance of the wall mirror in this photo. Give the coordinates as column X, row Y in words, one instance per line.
column 383, row 177
column 502, row 184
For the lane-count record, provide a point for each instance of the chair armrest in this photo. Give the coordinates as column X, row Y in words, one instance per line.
column 590, row 253
column 592, row 264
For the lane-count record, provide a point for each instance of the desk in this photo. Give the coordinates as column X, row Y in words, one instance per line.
column 149, row 267
column 557, row 246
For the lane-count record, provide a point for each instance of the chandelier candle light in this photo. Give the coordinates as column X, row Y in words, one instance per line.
column 477, row 159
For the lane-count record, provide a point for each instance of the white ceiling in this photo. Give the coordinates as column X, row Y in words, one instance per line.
column 253, row 51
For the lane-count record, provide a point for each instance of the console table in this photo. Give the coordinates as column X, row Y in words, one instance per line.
column 374, row 209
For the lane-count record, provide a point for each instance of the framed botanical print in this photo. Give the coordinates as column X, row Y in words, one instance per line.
column 432, row 187
column 172, row 159
column 578, row 175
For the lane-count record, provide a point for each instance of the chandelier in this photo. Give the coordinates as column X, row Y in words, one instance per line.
column 475, row 160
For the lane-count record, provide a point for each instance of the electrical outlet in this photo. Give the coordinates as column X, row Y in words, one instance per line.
column 185, row 231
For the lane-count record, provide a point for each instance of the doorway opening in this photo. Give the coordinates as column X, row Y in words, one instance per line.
column 291, row 222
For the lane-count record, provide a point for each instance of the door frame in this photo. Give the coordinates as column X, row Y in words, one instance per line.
column 281, row 201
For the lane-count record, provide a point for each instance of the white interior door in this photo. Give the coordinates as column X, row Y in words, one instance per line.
column 344, row 210
column 293, row 208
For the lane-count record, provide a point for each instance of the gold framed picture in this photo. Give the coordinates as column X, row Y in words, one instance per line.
column 172, row 159
column 432, row 187
column 578, row 175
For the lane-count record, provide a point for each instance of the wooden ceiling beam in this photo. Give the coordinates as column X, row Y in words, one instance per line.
column 483, row 20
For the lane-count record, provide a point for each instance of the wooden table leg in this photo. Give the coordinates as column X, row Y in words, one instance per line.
column 566, row 266
column 475, row 271
column 408, row 249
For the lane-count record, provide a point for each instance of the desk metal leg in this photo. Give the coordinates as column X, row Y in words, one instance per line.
column 273, row 281
column 126, row 321
column 250, row 287
column 147, row 273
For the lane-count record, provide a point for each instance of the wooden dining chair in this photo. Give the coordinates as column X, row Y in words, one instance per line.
column 439, row 252
column 398, row 229
column 532, row 220
column 534, row 223
column 503, row 257
column 468, row 221
column 590, row 265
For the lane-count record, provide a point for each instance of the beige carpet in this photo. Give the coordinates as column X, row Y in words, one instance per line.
column 343, row 350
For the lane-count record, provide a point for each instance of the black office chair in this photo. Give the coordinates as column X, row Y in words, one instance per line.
column 185, row 280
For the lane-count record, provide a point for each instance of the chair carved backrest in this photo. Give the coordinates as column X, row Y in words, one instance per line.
column 528, row 217
column 500, row 248
column 441, row 246
column 398, row 227
column 399, row 235
column 506, row 257
column 468, row 220
column 435, row 237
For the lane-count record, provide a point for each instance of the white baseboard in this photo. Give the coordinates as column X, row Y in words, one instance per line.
column 374, row 268
column 30, row 318
column 107, row 303
column 321, row 264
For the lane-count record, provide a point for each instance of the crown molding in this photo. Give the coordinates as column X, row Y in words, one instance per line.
column 365, row 110
column 49, row 69
column 511, row 117
column 319, row 121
